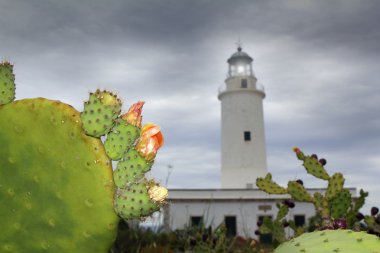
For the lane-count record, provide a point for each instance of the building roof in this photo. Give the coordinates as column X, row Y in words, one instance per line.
column 239, row 56
column 235, row 194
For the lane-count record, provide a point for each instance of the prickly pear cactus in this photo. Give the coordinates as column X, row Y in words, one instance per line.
column 100, row 113
column 268, row 185
column 335, row 204
column 57, row 187
column 276, row 226
column 125, row 132
column 332, row 241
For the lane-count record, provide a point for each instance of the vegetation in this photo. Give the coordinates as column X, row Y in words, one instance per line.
column 335, row 210
column 191, row 239
column 56, row 174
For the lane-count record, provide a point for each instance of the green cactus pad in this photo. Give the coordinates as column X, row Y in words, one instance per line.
column 318, row 200
column 100, row 113
column 56, row 185
column 340, row 204
column 315, row 168
column 298, row 192
column 269, row 186
column 282, row 211
column 131, row 168
column 120, row 139
column 335, row 185
column 278, row 231
column 357, row 204
column 332, row 241
column 267, row 226
column 7, row 83
column 134, row 202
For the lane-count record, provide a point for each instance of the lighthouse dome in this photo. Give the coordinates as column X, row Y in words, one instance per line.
column 240, row 64
column 239, row 56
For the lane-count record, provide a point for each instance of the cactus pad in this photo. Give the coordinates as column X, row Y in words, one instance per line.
column 298, row 192
column 318, row 200
column 334, row 241
column 135, row 202
column 278, row 231
column 315, row 168
column 282, row 211
column 269, row 186
column 131, row 168
column 56, row 182
column 340, row 204
column 7, row 83
column 120, row 139
column 100, row 113
column 335, row 185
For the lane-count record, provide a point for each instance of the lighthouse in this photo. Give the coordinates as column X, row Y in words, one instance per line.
column 243, row 153
column 238, row 204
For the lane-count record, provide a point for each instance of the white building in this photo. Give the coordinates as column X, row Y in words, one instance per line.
column 238, row 203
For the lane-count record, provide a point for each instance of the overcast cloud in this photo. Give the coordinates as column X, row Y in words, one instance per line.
column 318, row 60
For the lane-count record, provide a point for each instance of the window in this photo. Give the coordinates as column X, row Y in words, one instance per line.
column 299, row 220
column 196, row 221
column 230, row 222
column 247, row 135
column 244, row 83
column 265, row 238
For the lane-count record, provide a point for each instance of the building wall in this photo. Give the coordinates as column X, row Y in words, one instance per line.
column 247, row 213
column 242, row 110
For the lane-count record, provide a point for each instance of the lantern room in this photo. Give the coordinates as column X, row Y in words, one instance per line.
column 240, row 64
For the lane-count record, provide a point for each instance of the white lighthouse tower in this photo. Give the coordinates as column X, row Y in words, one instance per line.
column 239, row 205
column 243, row 155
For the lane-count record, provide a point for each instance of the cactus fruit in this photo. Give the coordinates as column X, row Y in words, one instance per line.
column 7, row 83
column 374, row 210
column 334, row 241
column 100, row 113
column 56, row 179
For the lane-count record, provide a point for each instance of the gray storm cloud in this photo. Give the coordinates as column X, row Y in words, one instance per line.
column 319, row 63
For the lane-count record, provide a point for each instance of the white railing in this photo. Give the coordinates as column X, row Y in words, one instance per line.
column 259, row 87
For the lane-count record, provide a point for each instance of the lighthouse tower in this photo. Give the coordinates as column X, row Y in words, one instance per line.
column 243, row 140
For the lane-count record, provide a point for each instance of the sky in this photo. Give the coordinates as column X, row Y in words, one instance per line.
column 319, row 62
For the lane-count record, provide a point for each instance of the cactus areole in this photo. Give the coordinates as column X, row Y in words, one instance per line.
column 57, row 186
